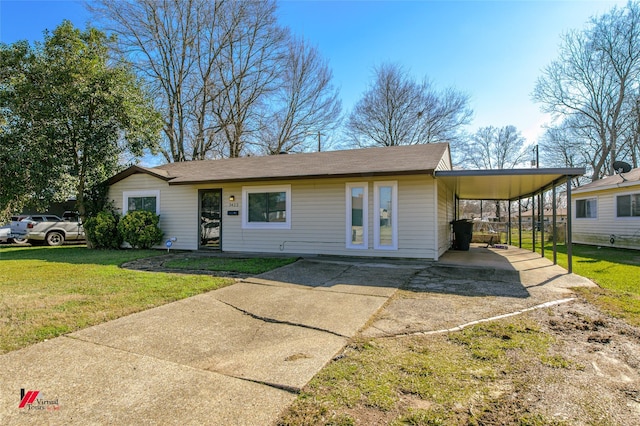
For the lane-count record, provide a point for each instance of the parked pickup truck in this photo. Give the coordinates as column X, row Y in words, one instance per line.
column 48, row 228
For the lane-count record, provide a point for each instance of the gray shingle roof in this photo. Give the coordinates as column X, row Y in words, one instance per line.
column 398, row 160
column 611, row 181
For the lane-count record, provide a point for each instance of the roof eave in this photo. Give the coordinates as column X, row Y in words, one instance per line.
column 132, row 170
column 360, row 175
column 606, row 187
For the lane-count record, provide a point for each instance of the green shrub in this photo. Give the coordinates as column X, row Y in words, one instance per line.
column 102, row 231
column 140, row 229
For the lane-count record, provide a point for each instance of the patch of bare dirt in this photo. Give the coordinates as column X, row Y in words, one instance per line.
column 600, row 384
column 592, row 377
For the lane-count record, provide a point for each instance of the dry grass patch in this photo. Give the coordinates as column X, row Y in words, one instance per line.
column 455, row 379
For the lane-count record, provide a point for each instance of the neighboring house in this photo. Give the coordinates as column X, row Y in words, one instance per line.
column 561, row 216
column 368, row 202
column 606, row 212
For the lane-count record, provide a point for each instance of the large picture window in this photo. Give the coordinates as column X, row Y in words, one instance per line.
column 357, row 213
column 587, row 209
column 265, row 207
column 385, row 215
column 628, row 205
column 141, row 200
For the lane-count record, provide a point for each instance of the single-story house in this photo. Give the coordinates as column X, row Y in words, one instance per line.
column 365, row 202
column 607, row 211
column 380, row 202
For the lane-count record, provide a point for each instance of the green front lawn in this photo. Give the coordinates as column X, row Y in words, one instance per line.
column 46, row 291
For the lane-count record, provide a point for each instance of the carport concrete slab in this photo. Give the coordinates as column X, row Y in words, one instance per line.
column 205, row 333
column 471, row 286
column 340, row 313
column 94, row 384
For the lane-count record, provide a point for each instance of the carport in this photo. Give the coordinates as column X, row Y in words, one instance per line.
column 514, row 185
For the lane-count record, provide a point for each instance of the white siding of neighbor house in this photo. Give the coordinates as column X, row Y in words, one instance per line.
column 178, row 207
column 625, row 231
column 318, row 216
column 445, row 216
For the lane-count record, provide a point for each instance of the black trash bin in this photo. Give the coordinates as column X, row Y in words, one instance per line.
column 463, row 230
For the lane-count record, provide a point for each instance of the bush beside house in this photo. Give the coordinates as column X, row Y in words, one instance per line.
column 138, row 228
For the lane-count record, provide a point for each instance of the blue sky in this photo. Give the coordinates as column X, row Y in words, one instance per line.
column 492, row 50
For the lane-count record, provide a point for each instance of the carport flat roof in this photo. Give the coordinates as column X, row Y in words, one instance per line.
column 504, row 184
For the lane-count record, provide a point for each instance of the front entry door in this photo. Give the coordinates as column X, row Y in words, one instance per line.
column 210, row 218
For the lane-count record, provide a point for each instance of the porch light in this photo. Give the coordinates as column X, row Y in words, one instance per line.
column 232, row 197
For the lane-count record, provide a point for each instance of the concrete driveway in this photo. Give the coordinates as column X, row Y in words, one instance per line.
column 238, row 355
column 235, row 356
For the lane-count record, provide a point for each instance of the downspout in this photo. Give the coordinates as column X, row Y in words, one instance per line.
column 436, row 220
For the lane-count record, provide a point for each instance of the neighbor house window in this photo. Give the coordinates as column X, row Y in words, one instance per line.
column 586, row 209
column 385, row 215
column 266, row 207
column 628, row 205
column 357, row 213
column 141, row 200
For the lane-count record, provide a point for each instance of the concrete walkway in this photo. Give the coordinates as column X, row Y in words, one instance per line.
column 238, row 355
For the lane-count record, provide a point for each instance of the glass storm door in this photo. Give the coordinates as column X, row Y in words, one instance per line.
column 210, row 218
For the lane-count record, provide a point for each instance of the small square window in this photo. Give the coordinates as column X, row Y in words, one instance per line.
column 141, row 200
column 587, row 209
column 266, row 207
column 628, row 205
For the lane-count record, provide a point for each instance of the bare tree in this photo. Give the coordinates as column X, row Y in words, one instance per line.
column 590, row 86
column 397, row 110
column 306, row 104
column 217, row 69
column 174, row 45
column 496, row 148
column 248, row 70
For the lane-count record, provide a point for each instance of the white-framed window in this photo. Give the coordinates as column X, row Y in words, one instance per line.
column 266, row 207
column 357, row 214
column 628, row 205
column 587, row 208
column 385, row 215
column 148, row 200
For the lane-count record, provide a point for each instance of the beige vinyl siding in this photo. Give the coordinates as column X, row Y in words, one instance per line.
column 318, row 221
column 445, row 161
column 318, row 216
column 445, row 216
column 625, row 231
column 178, row 207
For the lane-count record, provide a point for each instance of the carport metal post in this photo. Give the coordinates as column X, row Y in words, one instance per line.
column 509, row 225
column 554, row 227
column 541, row 211
column 568, row 239
column 519, row 222
column 533, row 221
